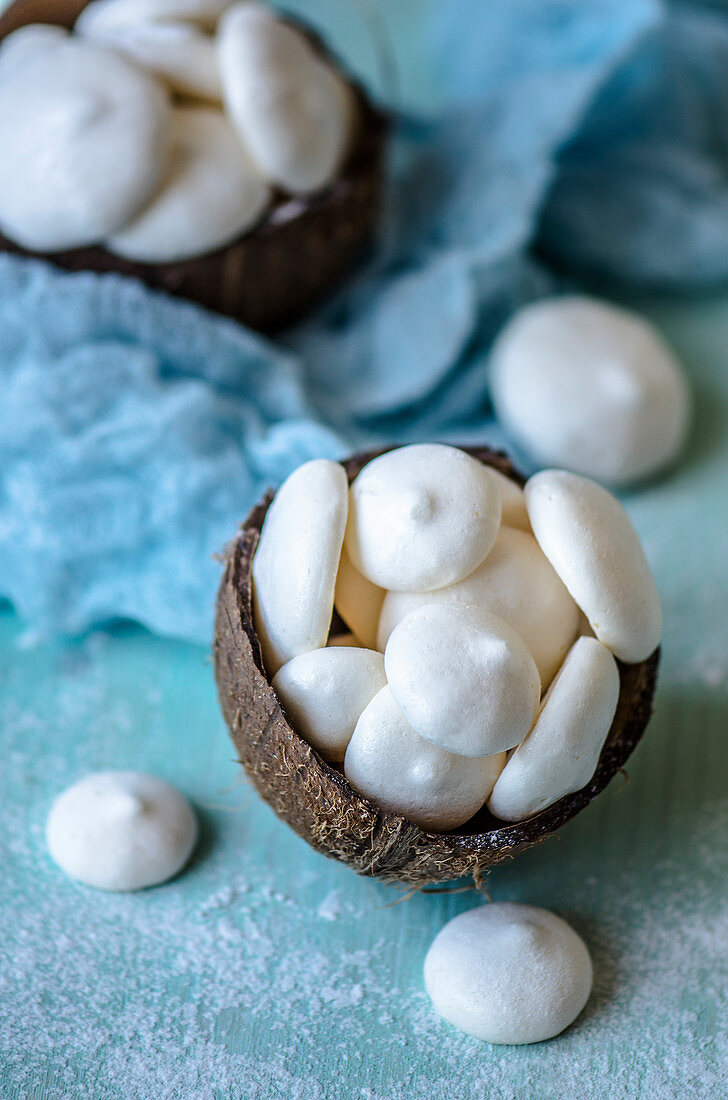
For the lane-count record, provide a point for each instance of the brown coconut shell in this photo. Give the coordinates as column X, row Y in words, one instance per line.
column 313, row 796
column 300, row 251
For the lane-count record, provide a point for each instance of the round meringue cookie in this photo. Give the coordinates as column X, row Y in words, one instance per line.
column 358, row 601
column 421, row 517
column 26, row 44
column 561, row 752
column 210, row 195
column 400, row 772
column 293, row 111
column 102, row 16
column 84, row 135
column 296, row 562
column 586, row 385
column 324, row 693
column 463, row 679
column 587, row 536
column 517, row 583
column 179, row 54
column 121, row 831
column 508, row 973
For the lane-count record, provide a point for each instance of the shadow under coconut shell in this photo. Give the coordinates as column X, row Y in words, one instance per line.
column 315, row 799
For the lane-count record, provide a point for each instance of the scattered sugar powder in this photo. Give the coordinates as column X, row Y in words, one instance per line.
column 268, row 972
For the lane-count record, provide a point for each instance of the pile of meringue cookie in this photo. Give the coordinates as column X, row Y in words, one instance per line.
column 485, row 622
column 161, row 129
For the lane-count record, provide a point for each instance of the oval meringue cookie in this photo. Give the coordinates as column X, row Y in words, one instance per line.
column 101, row 123
column 561, row 752
column 517, row 583
column 421, row 517
column 295, row 564
column 592, row 387
column 589, row 539
column 121, row 831
column 102, row 16
column 463, row 679
column 387, row 762
column 324, row 693
column 210, row 195
column 513, row 502
column 294, row 113
column 358, row 601
column 179, row 54
column 508, row 973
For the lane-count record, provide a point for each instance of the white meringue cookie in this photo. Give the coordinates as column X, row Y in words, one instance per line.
column 508, row 973
column 463, row 679
column 390, row 764
column 517, row 583
column 513, row 502
column 101, row 16
column 179, row 54
column 591, row 387
column 121, row 831
column 84, row 137
column 562, row 750
column 211, row 193
column 296, row 561
column 358, row 601
column 421, row 517
column 26, row 44
column 292, row 110
column 587, row 536
column 324, row 693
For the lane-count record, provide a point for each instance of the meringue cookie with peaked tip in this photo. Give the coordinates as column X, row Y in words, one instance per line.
column 121, row 831
column 211, row 193
column 26, row 44
column 84, row 135
column 591, row 387
column 295, row 564
column 101, row 16
column 421, row 517
column 513, row 502
column 508, row 973
column 463, row 679
column 358, row 601
column 293, row 110
column 179, row 54
column 400, row 772
column 589, row 539
column 324, row 693
column 517, row 583
column 561, row 752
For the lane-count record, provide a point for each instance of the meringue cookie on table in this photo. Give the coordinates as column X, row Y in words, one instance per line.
column 292, row 109
column 27, row 43
column 84, row 137
column 591, row 387
column 180, row 54
column 107, row 15
column 210, row 195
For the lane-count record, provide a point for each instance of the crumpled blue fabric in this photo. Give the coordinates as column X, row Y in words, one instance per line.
column 575, row 140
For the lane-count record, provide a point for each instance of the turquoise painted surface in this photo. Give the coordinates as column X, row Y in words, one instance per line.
column 267, row 971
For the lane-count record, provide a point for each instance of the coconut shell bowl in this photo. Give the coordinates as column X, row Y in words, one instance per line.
column 301, row 249
column 313, row 796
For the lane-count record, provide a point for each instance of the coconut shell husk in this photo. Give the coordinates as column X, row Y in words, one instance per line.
column 314, row 798
column 300, row 251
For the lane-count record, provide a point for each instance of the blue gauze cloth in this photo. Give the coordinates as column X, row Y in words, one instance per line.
column 136, row 431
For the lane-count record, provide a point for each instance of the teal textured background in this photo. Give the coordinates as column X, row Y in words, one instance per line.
column 267, row 971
